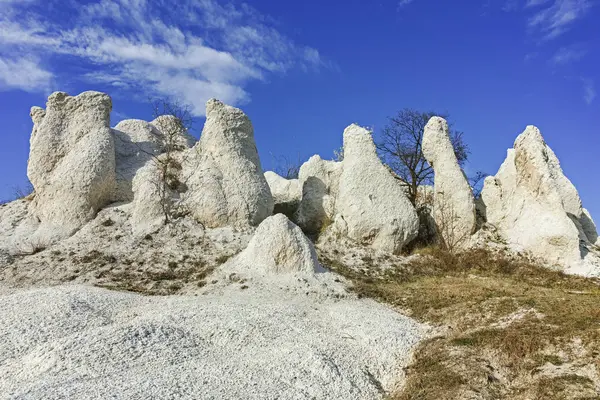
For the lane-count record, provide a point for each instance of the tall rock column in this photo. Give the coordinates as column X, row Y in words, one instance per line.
column 71, row 162
column 453, row 202
column 223, row 174
column 537, row 209
column 371, row 206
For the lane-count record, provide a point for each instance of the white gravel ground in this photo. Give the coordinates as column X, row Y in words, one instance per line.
column 295, row 339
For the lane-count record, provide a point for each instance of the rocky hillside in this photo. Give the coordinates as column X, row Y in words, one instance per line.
column 146, row 263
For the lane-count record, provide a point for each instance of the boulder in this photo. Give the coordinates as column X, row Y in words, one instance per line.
column 536, row 208
column 453, row 204
column 371, row 206
column 222, row 173
column 319, row 180
column 286, row 193
column 279, row 247
column 71, row 162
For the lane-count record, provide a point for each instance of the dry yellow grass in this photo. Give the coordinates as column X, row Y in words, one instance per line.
column 513, row 330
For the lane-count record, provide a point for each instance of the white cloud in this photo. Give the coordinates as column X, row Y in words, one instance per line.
column 23, row 74
column 197, row 50
column 557, row 18
column 589, row 90
column 568, row 54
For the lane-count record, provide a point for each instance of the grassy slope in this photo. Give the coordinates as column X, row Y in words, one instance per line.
column 511, row 330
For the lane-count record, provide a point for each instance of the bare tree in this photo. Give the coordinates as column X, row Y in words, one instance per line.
column 19, row 192
column 174, row 121
column 476, row 182
column 400, row 147
column 287, row 168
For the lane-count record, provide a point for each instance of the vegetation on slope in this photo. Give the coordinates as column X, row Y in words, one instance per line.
column 507, row 328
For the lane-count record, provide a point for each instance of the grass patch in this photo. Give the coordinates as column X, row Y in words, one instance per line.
column 506, row 317
column 160, row 280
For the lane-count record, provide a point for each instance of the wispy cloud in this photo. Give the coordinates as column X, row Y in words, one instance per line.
column 197, row 50
column 589, row 90
column 510, row 5
column 558, row 17
column 404, row 3
column 568, row 54
column 535, row 3
column 23, row 74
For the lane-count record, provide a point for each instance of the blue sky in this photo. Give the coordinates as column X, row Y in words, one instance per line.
column 304, row 70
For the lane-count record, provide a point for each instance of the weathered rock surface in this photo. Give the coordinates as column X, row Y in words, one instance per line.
column 536, row 208
column 152, row 199
column 286, row 193
column 12, row 216
column 371, row 206
column 174, row 134
column 319, row 180
column 222, row 172
column 454, row 204
column 279, row 246
column 137, row 142
column 71, row 162
column 589, row 227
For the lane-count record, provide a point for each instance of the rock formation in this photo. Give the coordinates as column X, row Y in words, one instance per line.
column 222, row 172
column 454, row 205
column 286, row 193
column 226, row 185
column 319, row 180
column 219, row 181
column 279, row 246
column 535, row 207
column 174, row 134
column 371, row 206
column 71, row 162
column 137, row 142
column 589, row 227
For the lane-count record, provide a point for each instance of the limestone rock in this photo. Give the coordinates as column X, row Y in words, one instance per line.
column 589, row 227
column 286, row 193
column 319, row 180
column 222, row 172
column 279, row 246
column 536, row 208
column 14, row 219
column 371, row 206
column 71, row 162
column 173, row 133
column 454, row 204
column 137, row 142
column 149, row 195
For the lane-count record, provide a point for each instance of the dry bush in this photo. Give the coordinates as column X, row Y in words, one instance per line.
column 449, row 233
